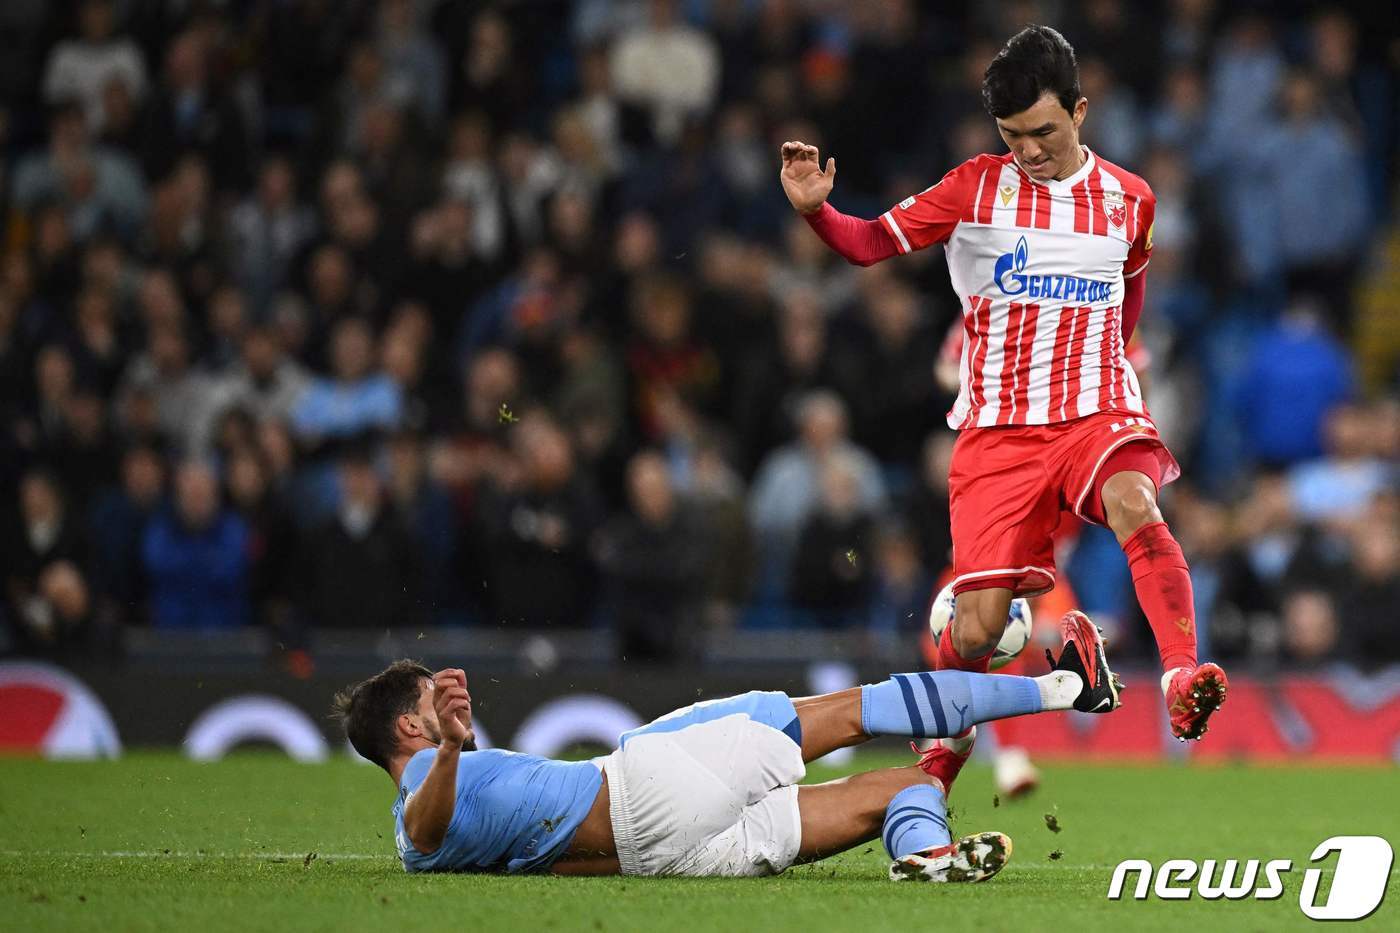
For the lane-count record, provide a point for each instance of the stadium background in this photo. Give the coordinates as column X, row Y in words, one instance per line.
column 331, row 332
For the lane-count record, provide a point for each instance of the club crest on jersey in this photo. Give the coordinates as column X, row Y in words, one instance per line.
column 1115, row 208
column 1009, row 275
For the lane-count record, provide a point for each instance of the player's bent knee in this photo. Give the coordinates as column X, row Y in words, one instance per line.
column 977, row 627
column 1131, row 507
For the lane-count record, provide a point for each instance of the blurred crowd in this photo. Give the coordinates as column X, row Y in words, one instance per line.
column 328, row 315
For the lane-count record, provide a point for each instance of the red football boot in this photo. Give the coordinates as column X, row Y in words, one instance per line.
column 1084, row 655
column 1192, row 695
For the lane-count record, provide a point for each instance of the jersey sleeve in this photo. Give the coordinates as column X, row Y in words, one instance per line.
column 930, row 216
column 1140, row 251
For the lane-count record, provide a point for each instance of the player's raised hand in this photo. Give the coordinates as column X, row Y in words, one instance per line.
column 453, row 705
column 805, row 183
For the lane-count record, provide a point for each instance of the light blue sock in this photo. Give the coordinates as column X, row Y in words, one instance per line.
column 915, row 821
column 934, row 704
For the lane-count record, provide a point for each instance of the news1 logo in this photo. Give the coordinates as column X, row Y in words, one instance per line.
column 1358, row 886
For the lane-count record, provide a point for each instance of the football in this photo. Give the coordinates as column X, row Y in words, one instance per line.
column 1013, row 640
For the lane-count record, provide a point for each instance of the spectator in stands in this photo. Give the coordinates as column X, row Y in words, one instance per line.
column 118, row 521
column 887, row 374
column 788, row 487
column 1235, row 610
column 182, row 394
column 1177, row 120
column 267, row 232
column 83, row 68
column 1338, row 488
column 360, row 569
column 1117, row 128
column 272, row 537
column 716, row 494
column 94, row 188
column 490, row 76
column 84, row 452
column 834, row 565
column 98, row 350
column 47, row 598
column 1368, row 595
column 925, row 505
column 54, row 386
column 653, row 560
column 196, row 557
column 774, row 376
column 902, row 586
column 1296, row 372
column 425, row 509
column 665, row 361
column 415, row 73
column 534, row 524
column 357, row 397
column 1305, row 159
column 1310, row 628
column 667, row 67
column 226, row 321
column 188, row 112
column 265, row 382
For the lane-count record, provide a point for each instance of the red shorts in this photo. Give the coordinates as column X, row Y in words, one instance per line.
column 1009, row 485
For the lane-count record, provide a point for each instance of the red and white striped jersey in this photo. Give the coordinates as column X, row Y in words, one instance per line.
column 1039, row 269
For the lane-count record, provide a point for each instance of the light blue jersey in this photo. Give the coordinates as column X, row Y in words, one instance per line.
column 514, row 813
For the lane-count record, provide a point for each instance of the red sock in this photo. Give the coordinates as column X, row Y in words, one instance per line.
column 950, row 660
column 1164, row 591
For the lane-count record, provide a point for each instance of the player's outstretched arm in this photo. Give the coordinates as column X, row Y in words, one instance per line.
column 807, row 186
column 429, row 812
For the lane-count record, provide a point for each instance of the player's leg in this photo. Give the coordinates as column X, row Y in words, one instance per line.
column 1002, row 511
column 1123, row 496
column 936, row 704
column 1160, row 575
column 906, row 809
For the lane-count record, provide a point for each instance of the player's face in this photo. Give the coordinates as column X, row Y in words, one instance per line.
column 428, row 719
column 427, row 716
column 1045, row 137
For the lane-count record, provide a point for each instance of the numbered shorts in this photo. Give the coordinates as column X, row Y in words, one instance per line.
column 709, row 790
column 1009, row 486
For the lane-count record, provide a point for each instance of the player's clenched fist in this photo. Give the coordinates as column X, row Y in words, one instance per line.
column 805, row 183
column 453, row 705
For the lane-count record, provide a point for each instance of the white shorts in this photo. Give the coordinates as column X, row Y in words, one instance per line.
column 715, row 798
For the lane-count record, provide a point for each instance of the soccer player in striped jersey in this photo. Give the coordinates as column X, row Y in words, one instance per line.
column 1047, row 248
column 708, row 790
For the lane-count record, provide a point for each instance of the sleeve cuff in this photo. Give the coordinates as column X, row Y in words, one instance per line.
column 893, row 226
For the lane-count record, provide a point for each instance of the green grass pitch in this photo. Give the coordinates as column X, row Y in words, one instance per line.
column 257, row 842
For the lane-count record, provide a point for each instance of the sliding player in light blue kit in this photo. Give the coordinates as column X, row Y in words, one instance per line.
column 708, row 790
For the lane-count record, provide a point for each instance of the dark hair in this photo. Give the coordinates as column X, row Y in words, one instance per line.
column 369, row 709
column 1035, row 60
